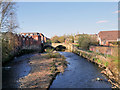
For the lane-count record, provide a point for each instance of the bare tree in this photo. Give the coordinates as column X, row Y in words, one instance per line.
column 8, row 16
column 8, row 24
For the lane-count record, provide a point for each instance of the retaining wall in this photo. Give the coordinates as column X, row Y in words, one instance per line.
column 105, row 50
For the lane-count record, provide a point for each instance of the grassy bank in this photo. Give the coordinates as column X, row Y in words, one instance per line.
column 11, row 56
column 108, row 63
column 44, row 69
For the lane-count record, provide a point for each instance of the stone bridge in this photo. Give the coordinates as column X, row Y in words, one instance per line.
column 68, row 46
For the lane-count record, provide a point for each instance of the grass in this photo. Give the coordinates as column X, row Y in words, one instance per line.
column 94, row 58
column 53, row 55
column 106, row 64
column 49, row 50
column 99, row 61
column 89, row 51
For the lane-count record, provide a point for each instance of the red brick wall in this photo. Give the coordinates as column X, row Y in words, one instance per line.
column 27, row 41
column 105, row 50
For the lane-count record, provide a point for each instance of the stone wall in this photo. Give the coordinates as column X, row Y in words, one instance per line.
column 68, row 46
column 102, row 62
column 111, row 50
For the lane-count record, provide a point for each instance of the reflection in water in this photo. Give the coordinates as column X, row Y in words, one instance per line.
column 79, row 74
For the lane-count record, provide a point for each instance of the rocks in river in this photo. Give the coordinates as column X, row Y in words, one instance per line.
column 99, row 79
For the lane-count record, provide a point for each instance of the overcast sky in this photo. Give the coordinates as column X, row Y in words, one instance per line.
column 58, row 18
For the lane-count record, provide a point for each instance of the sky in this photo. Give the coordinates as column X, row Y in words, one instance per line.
column 59, row 18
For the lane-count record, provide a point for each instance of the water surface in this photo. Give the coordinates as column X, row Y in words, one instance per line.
column 79, row 74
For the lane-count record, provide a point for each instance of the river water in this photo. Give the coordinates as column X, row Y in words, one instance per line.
column 15, row 69
column 79, row 74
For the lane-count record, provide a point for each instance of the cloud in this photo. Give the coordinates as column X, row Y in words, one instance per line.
column 118, row 11
column 102, row 21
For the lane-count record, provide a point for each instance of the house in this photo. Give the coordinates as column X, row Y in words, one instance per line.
column 35, row 35
column 106, row 37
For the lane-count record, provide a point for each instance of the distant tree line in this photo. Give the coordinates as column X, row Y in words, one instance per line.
column 83, row 41
column 62, row 39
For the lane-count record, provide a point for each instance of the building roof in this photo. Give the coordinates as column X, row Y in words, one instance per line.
column 109, row 35
column 35, row 33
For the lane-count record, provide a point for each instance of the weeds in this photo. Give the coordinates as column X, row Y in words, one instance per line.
column 106, row 64
column 99, row 61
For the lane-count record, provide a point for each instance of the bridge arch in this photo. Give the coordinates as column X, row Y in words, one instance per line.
column 60, row 48
column 48, row 47
column 68, row 46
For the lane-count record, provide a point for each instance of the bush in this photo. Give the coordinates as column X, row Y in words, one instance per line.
column 49, row 50
column 86, row 40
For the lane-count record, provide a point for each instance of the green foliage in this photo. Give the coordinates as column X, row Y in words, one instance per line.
column 61, row 39
column 99, row 61
column 70, row 38
column 94, row 58
column 85, row 41
column 49, row 50
column 53, row 55
column 48, row 42
column 116, row 60
column 57, row 39
column 89, row 56
column 76, row 45
column 115, row 43
column 10, row 56
column 106, row 64
column 89, row 51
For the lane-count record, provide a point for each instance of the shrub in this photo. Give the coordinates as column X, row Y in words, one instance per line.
column 85, row 41
column 49, row 50
column 99, row 61
column 106, row 64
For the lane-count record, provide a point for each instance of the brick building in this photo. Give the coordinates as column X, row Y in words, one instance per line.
column 36, row 36
column 105, row 37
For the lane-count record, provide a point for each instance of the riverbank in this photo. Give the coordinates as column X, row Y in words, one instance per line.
column 19, row 53
column 109, row 67
column 44, row 68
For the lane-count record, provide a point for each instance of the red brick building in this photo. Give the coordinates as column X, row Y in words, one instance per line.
column 36, row 36
column 33, row 38
column 105, row 37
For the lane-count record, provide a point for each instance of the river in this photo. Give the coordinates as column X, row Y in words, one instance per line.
column 15, row 69
column 79, row 74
